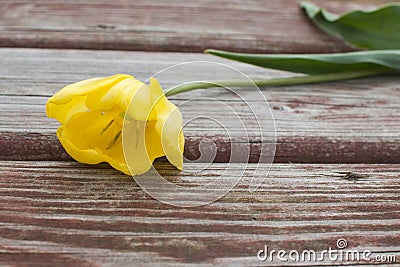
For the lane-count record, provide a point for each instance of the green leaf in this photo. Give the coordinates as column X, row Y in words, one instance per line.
column 377, row 60
column 379, row 29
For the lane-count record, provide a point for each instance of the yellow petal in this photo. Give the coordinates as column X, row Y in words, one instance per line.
column 157, row 93
column 136, row 155
column 141, row 145
column 85, row 87
column 115, row 157
column 153, row 141
column 169, row 127
column 88, row 155
column 94, row 129
column 94, row 137
column 94, row 155
column 63, row 112
column 135, row 99
column 72, row 98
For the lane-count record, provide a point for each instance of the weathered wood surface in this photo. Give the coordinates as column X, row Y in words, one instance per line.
column 354, row 121
column 56, row 212
column 184, row 26
column 66, row 213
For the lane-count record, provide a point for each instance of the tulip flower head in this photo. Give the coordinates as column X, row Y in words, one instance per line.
column 93, row 114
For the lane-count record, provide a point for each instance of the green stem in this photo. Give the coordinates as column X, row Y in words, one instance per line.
column 307, row 79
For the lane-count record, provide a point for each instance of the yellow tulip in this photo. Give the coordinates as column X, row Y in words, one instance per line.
column 93, row 113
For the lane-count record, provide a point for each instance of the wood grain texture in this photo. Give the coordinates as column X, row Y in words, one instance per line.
column 354, row 121
column 74, row 214
column 57, row 212
column 276, row 26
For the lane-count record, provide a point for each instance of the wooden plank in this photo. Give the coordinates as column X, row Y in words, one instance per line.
column 74, row 214
column 355, row 121
column 189, row 26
